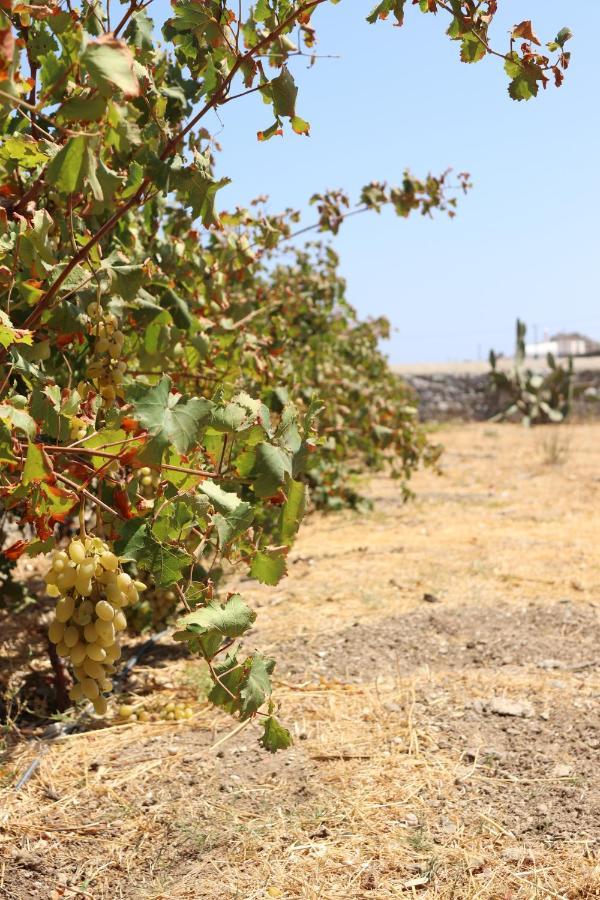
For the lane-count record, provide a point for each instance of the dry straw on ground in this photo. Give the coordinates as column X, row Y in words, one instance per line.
column 407, row 777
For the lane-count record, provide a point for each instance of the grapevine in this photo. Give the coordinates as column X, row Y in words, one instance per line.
column 172, row 371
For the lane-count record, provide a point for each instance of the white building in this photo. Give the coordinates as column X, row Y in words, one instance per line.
column 563, row 344
column 541, row 349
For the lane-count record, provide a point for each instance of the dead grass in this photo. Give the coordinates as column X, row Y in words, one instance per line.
column 497, row 523
column 398, row 785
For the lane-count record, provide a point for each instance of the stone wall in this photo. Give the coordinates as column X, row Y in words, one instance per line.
column 446, row 396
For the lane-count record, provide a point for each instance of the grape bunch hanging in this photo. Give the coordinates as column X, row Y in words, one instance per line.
column 92, row 591
column 106, row 369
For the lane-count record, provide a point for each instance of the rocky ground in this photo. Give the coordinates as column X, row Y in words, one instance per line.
column 439, row 665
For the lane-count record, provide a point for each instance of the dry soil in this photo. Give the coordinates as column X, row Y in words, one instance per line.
column 440, row 669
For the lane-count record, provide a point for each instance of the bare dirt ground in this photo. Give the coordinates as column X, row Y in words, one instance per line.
column 440, row 666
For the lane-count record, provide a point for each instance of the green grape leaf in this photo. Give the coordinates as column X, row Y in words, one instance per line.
column 233, row 515
column 14, row 417
column 46, row 409
column 68, row 167
column 525, row 78
column 255, row 684
column 169, row 419
column 91, row 172
column 262, row 11
column 229, row 418
column 275, row 736
column 165, row 564
column 300, row 126
column 284, row 92
column 200, row 191
column 136, row 542
column 179, row 309
column 40, row 42
column 287, row 434
column 109, row 63
column 177, row 517
column 31, row 373
column 207, row 627
column 37, row 467
column 564, row 35
column 131, row 539
column 272, row 468
column 267, row 133
column 242, row 687
column 383, row 9
column 23, row 149
column 127, row 279
column 255, row 408
column 116, row 437
column 11, row 335
column 472, row 48
column 225, row 692
column 6, row 453
column 269, row 568
column 140, row 28
column 84, row 108
column 292, row 512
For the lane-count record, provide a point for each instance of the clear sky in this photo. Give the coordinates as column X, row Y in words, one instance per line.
column 525, row 240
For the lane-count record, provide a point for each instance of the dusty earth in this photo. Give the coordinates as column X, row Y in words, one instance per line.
column 440, row 667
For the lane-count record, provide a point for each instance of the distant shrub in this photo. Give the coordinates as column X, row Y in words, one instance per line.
column 535, row 398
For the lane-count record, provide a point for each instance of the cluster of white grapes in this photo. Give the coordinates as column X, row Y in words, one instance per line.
column 149, row 482
column 163, row 603
column 107, row 369
column 154, row 609
column 92, row 590
column 78, row 429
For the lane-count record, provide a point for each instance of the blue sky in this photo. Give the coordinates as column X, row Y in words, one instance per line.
column 525, row 240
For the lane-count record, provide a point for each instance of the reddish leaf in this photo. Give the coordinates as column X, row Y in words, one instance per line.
column 7, row 48
column 16, row 550
column 79, row 471
column 130, row 425
column 122, row 503
column 129, row 457
column 64, row 339
column 525, row 31
column 42, row 527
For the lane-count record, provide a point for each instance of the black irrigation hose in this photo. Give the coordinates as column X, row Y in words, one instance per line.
column 58, row 729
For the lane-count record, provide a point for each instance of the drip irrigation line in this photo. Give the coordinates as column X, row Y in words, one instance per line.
column 59, row 729
column 30, row 770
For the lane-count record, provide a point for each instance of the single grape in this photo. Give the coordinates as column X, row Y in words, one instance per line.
column 78, row 654
column 96, row 652
column 100, row 706
column 71, row 636
column 90, row 688
column 56, row 631
column 104, row 610
column 77, row 551
column 93, row 669
column 76, row 693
